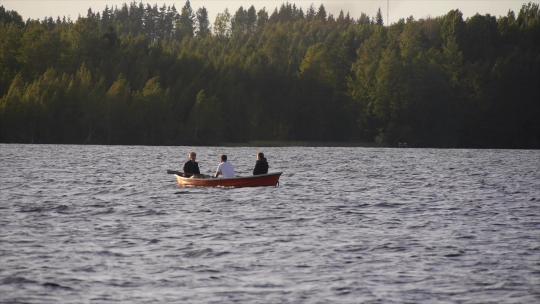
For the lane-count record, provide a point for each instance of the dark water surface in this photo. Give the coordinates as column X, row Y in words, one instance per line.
column 96, row 224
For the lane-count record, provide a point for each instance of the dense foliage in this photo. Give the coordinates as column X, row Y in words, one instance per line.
column 141, row 74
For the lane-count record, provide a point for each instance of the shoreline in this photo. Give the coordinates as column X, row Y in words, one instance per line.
column 295, row 143
column 280, row 143
column 255, row 143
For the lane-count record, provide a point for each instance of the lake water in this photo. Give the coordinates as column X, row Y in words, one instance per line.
column 97, row 224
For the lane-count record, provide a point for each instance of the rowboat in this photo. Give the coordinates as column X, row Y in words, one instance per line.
column 270, row 179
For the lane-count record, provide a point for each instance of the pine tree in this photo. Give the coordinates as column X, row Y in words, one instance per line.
column 185, row 25
column 378, row 18
column 203, row 25
column 321, row 13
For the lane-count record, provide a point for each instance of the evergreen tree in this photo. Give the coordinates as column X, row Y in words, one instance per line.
column 203, row 25
column 310, row 14
column 321, row 13
column 185, row 25
column 262, row 18
column 378, row 17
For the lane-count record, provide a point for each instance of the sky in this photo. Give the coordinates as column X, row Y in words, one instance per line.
column 397, row 8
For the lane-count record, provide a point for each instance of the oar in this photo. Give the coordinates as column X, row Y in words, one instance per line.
column 175, row 172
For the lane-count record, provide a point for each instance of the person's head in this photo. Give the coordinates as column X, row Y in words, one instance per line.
column 260, row 155
column 223, row 158
column 192, row 156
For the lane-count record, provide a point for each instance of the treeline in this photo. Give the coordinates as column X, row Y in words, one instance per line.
column 141, row 74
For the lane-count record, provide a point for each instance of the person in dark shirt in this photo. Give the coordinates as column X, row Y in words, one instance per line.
column 261, row 166
column 191, row 167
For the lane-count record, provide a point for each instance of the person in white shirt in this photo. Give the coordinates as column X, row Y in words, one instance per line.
column 225, row 168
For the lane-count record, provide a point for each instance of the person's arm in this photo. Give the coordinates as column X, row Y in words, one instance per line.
column 187, row 170
column 256, row 167
column 197, row 171
column 218, row 171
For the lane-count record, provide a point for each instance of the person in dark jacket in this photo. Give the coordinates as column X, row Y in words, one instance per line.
column 261, row 166
column 191, row 167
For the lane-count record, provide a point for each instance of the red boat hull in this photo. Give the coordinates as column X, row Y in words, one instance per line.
column 262, row 180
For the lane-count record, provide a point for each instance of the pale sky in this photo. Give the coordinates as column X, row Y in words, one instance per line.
column 398, row 8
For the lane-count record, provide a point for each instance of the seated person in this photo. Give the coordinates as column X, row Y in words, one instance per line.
column 261, row 166
column 225, row 168
column 191, row 167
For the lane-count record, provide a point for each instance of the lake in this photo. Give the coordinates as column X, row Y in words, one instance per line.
column 346, row 225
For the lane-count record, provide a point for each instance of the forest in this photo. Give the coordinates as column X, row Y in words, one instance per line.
column 145, row 74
